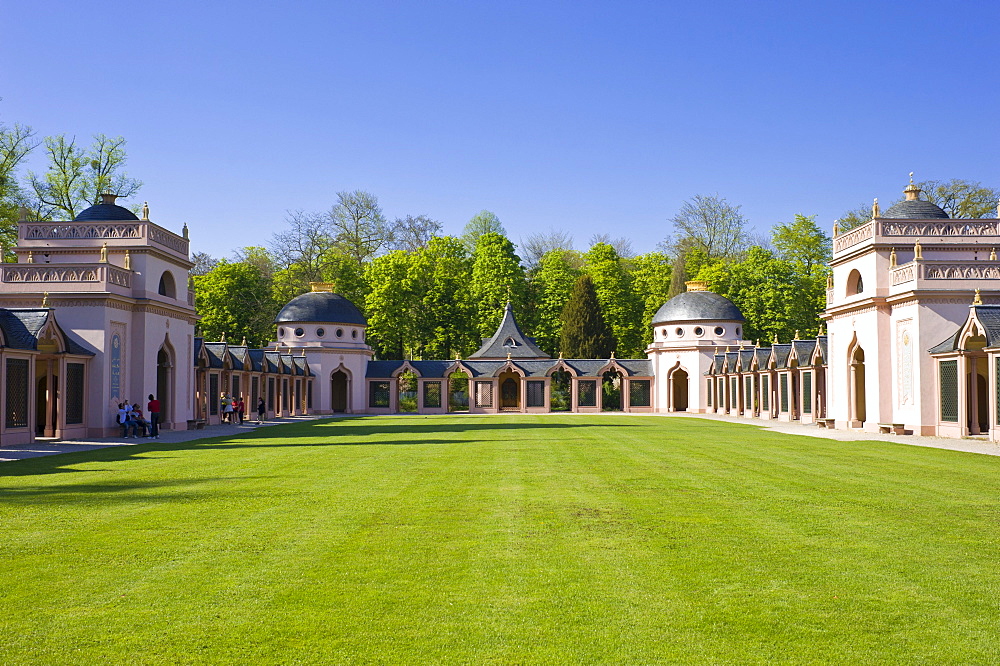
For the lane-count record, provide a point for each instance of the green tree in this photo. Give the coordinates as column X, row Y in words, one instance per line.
column 712, row 224
column 775, row 298
column 496, row 276
column 585, row 333
column 444, row 321
column 552, row 285
column 235, row 298
column 962, row 198
column 16, row 142
column 389, row 305
column 621, row 308
column 76, row 176
column 803, row 243
column 651, row 279
column 358, row 226
column 484, row 222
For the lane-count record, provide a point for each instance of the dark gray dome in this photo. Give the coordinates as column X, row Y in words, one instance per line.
column 697, row 306
column 103, row 212
column 321, row 306
column 914, row 210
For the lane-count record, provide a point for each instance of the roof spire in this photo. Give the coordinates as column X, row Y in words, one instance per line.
column 45, row 299
column 775, row 337
column 977, row 299
column 244, row 343
column 912, row 191
column 875, row 209
column 892, row 257
column 223, row 337
column 145, row 211
column 918, row 252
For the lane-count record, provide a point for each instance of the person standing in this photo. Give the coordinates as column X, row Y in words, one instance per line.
column 261, row 408
column 153, row 407
column 122, row 420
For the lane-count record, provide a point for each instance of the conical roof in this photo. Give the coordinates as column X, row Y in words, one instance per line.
column 509, row 341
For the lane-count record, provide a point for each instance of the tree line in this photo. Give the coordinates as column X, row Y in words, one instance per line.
column 429, row 295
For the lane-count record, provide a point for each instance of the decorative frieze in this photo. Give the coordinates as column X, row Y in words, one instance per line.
column 167, row 239
column 964, row 271
column 853, row 237
column 66, row 273
column 43, row 231
column 904, row 273
column 939, row 227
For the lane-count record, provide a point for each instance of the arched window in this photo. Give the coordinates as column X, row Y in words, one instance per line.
column 855, row 285
column 167, row 287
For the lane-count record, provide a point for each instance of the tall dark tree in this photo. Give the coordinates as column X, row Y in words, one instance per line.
column 585, row 333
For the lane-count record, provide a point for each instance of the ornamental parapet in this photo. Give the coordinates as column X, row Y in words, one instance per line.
column 891, row 228
column 50, row 275
column 944, row 270
column 133, row 233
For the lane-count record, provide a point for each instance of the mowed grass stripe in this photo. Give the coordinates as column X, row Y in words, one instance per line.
column 501, row 539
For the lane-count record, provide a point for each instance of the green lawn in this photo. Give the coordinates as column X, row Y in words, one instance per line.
column 510, row 539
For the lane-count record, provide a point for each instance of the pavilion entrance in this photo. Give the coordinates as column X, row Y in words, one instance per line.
column 510, row 391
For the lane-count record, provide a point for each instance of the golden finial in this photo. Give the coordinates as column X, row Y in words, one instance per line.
column 223, row 337
column 918, row 252
column 508, row 354
column 977, row 300
column 796, row 334
column 45, row 299
column 829, row 282
column 912, row 192
column 892, row 257
column 775, row 341
column 560, row 355
column 875, row 209
column 244, row 343
column 756, row 343
column 612, row 354
column 128, row 260
column 821, row 327
column 727, row 349
column 836, row 228
column 104, row 253
column 993, row 254
column 145, row 211
column 31, row 257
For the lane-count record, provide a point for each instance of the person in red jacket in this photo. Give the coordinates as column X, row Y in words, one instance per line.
column 154, row 417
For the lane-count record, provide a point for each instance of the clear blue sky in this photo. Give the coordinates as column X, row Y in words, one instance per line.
column 584, row 116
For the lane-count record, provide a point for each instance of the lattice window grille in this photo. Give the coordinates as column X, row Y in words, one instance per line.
column 638, row 393
column 748, row 393
column 783, row 383
column 765, row 393
column 270, row 393
column 432, row 394
column 378, row 394
column 536, row 393
column 16, row 409
column 948, row 372
column 74, row 393
column 586, row 393
column 807, row 390
column 710, row 392
column 484, row 394
column 734, row 393
column 213, row 394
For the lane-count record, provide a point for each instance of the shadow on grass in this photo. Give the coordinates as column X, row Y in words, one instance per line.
column 350, row 431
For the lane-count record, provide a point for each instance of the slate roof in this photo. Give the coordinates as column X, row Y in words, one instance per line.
column 720, row 359
column 198, row 344
column 21, row 327
column 763, row 356
column 302, row 366
column 236, row 355
column 256, row 359
column 746, row 359
column 822, row 341
column 803, row 351
column 914, row 210
column 697, row 306
column 531, row 368
column 216, row 353
column 272, row 360
column 781, row 353
column 988, row 316
column 105, row 213
column 509, row 339
column 322, row 307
